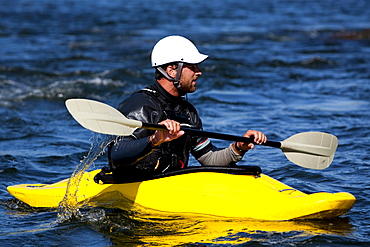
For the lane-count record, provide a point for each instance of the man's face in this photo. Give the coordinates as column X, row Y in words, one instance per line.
column 189, row 75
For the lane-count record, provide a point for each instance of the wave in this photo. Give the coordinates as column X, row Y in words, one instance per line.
column 98, row 85
column 352, row 35
column 312, row 62
column 13, row 92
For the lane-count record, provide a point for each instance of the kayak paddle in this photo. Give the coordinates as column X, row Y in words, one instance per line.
column 313, row 150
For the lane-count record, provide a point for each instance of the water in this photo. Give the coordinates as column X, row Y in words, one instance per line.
column 282, row 67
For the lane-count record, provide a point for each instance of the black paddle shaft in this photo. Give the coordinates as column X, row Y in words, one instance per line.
column 203, row 133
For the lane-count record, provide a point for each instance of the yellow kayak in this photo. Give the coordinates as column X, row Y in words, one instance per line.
column 202, row 191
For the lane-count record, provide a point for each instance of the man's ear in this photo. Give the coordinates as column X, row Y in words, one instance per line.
column 171, row 71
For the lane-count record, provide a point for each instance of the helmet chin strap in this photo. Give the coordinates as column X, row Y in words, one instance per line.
column 176, row 80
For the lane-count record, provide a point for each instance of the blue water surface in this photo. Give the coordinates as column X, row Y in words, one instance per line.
column 282, row 67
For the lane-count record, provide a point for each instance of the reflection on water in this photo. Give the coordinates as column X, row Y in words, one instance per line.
column 145, row 226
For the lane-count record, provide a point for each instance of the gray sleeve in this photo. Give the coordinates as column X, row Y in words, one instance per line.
column 221, row 157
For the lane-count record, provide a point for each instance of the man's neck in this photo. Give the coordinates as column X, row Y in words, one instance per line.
column 169, row 87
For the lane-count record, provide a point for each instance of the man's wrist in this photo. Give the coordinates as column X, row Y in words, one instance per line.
column 152, row 141
column 239, row 150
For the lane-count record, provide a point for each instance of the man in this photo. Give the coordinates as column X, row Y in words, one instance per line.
column 147, row 152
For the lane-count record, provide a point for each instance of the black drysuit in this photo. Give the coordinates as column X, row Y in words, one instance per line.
column 134, row 156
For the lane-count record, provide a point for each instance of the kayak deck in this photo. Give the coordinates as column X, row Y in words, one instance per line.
column 208, row 193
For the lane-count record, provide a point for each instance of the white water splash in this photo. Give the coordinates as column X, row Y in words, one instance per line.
column 68, row 208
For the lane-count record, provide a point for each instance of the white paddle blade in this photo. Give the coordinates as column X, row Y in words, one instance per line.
column 100, row 117
column 314, row 150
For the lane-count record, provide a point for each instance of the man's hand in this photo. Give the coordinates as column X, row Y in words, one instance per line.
column 173, row 132
column 257, row 136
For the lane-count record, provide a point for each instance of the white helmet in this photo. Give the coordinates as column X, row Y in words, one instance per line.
column 176, row 49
